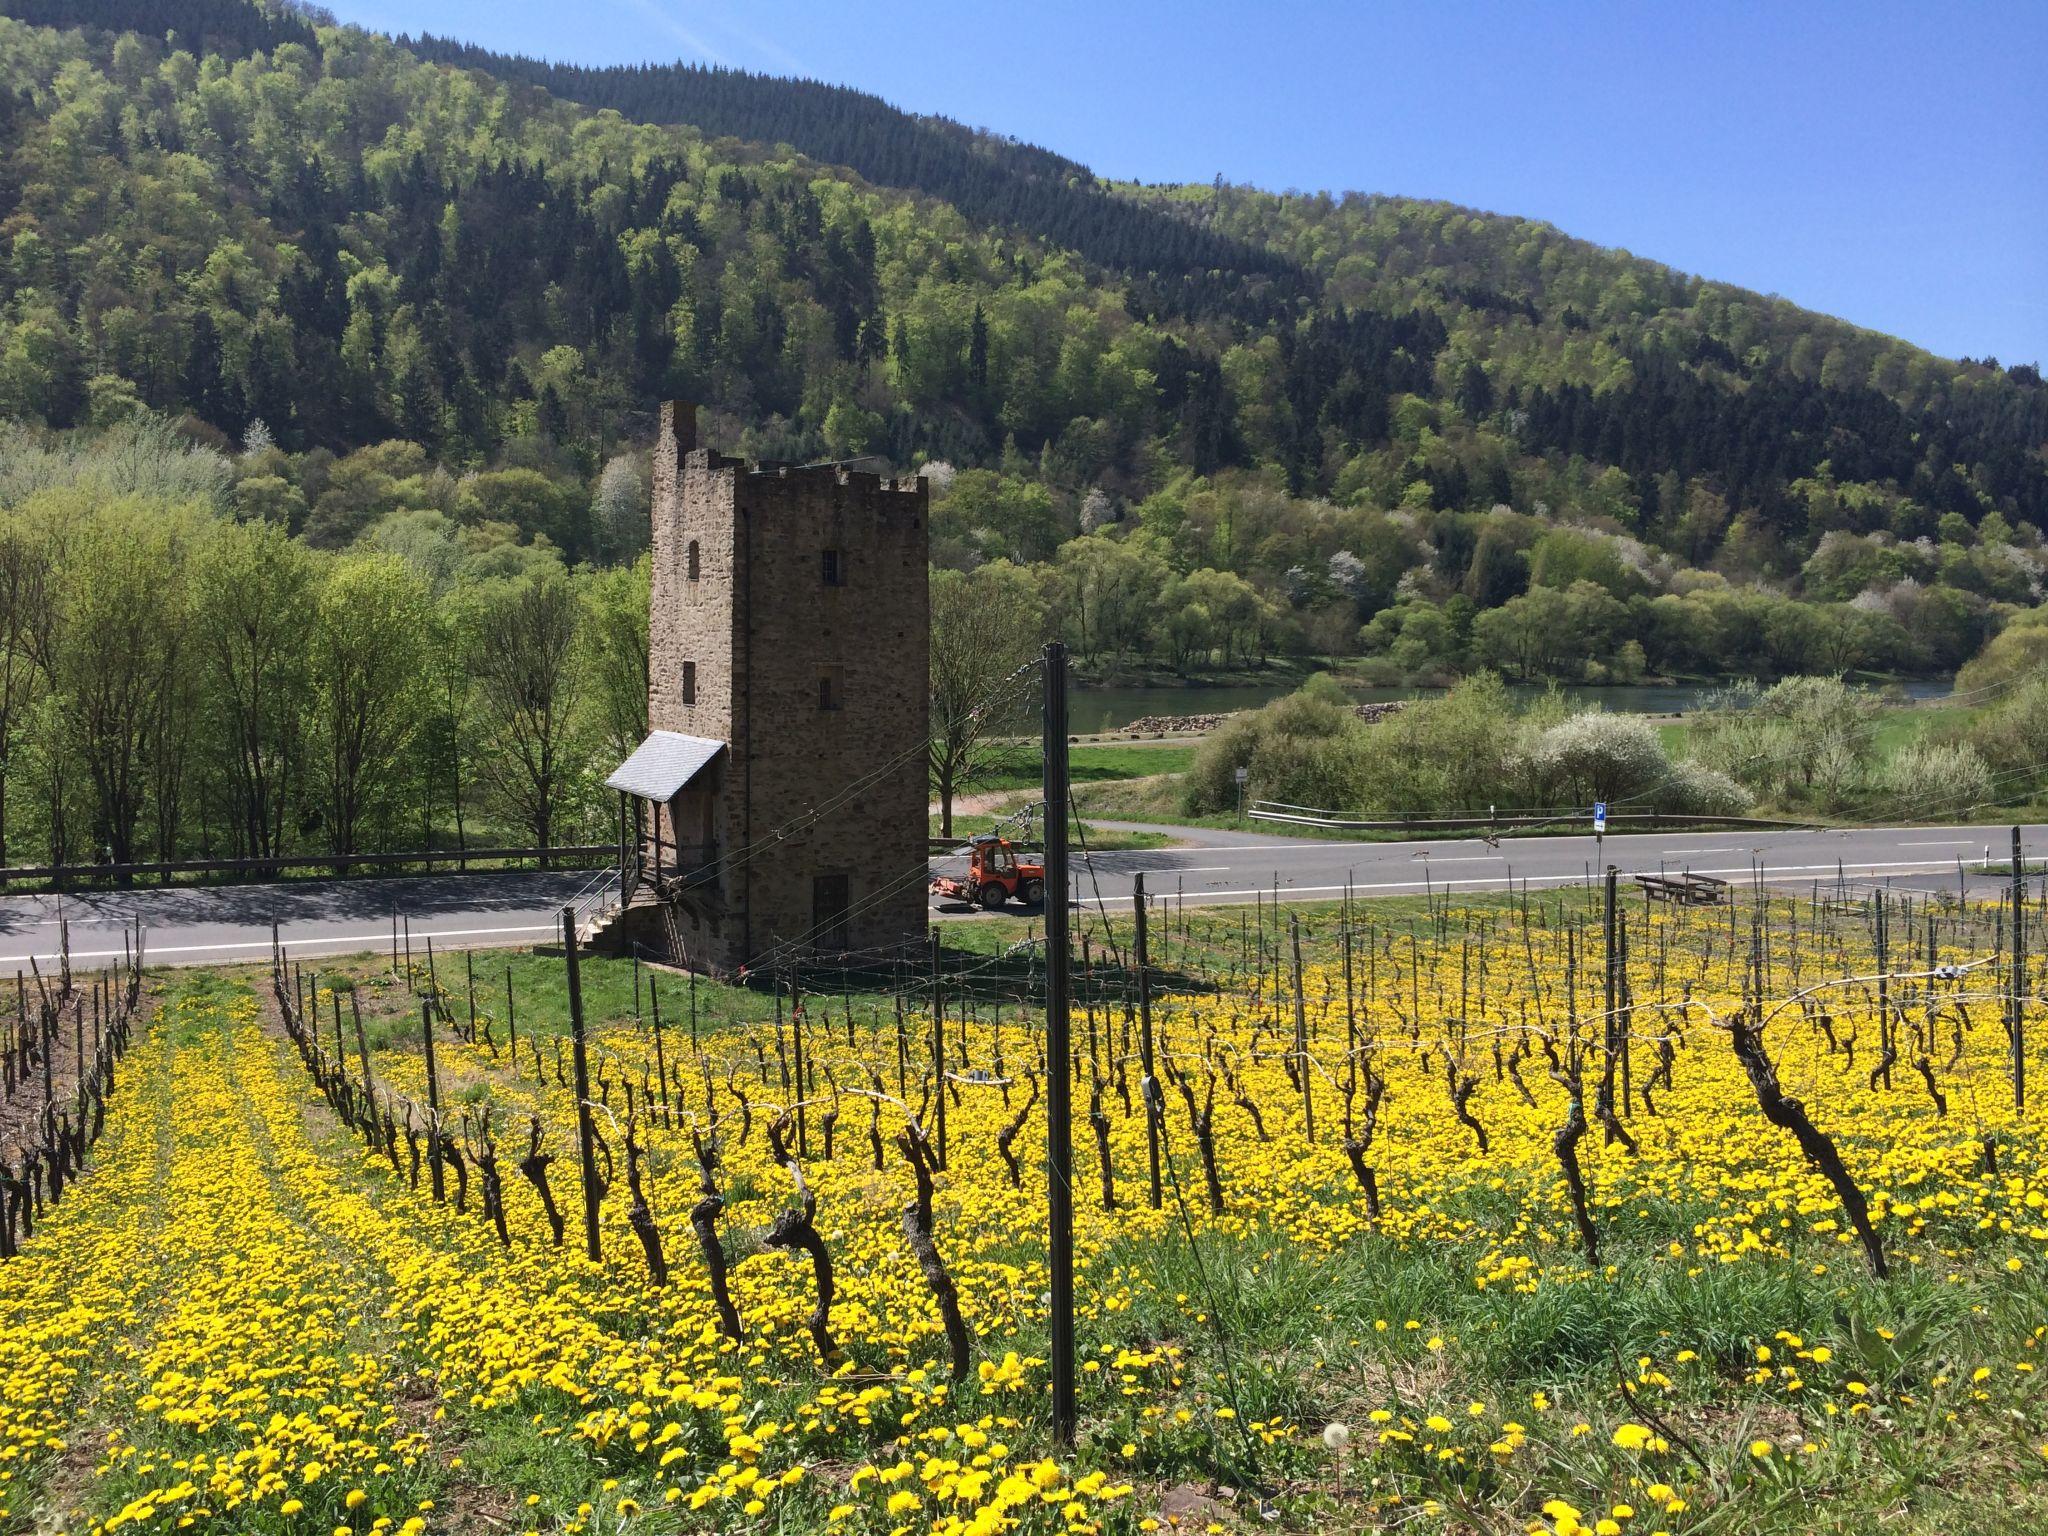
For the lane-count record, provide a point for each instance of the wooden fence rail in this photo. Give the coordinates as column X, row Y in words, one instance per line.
column 574, row 856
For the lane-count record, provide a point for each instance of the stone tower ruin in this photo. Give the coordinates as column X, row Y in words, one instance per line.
column 777, row 809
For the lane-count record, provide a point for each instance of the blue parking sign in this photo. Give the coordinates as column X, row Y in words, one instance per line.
column 1599, row 815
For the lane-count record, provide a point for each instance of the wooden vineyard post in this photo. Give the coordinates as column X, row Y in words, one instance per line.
column 2017, row 1006
column 660, row 1057
column 1350, row 998
column 1608, row 1033
column 1149, row 1085
column 1625, row 1021
column 46, row 1031
column 1059, row 1056
column 796, row 1047
column 1308, row 1098
column 355, row 1009
column 340, row 1054
column 939, row 1046
column 585, row 1132
column 1887, row 1049
column 433, row 1099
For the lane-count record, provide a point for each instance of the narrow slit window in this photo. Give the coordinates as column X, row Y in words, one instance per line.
column 831, row 687
column 695, row 562
column 689, row 682
column 834, row 563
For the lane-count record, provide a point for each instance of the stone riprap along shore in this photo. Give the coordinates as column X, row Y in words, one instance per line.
column 1196, row 725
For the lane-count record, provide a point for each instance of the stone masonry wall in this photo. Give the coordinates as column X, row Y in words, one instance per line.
column 760, row 623
column 874, row 630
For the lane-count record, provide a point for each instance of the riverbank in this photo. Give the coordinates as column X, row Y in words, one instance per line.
column 1201, row 725
column 1097, row 708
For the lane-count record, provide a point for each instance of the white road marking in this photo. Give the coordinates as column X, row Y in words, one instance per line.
column 1913, row 866
column 1303, row 846
column 1306, row 847
column 1969, row 844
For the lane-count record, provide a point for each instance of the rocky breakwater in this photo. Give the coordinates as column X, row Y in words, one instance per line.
column 1198, row 725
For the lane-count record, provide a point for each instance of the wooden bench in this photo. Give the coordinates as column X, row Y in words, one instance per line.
column 1686, row 890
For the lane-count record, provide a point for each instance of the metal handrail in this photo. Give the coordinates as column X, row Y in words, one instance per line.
column 1276, row 811
column 595, row 890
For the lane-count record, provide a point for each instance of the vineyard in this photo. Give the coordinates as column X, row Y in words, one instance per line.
column 1511, row 1214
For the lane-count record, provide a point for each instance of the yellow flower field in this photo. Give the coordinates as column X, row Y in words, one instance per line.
column 247, row 1320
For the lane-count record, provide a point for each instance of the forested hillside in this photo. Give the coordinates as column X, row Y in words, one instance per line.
column 413, row 302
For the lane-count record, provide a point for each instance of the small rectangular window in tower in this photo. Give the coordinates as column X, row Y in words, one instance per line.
column 831, row 687
column 689, row 682
column 831, row 895
column 695, row 566
column 835, row 567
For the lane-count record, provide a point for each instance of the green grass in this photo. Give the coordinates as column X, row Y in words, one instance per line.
column 1898, row 728
column 1090, row 765
column 1101, row 839
column 1894, row 726
column 617, row 991
column 1376, row 1324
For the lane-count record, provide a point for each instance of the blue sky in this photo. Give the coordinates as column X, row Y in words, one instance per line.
column 1884, row 163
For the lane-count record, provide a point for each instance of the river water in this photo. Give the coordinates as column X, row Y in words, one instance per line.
column 1093, row 710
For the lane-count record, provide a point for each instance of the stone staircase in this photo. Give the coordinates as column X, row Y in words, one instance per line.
column 612, row 929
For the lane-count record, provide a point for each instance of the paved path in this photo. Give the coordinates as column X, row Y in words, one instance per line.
column 330, row 917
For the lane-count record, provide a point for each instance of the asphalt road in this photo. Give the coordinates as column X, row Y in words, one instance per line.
column 218, row 924
column 1231, row 866
column 213, row 925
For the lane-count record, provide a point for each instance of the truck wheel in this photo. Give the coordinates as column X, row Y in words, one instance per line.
column 992, row 896
column 1034, row 893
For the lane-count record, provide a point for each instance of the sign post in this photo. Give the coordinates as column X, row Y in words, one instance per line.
column 1599, row 831
column 1242, row 775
